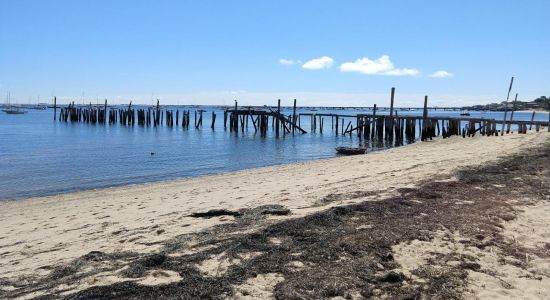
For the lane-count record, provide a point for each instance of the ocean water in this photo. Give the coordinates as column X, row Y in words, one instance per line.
column 39, row 156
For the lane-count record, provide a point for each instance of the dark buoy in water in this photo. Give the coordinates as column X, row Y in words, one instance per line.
column 152, row 153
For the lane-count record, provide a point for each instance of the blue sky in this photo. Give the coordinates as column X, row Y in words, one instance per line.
column 210, row 52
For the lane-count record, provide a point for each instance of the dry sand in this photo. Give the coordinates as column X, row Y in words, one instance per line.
column 47, row 231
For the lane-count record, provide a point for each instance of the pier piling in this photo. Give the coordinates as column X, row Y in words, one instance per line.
column 373, row 127
column 55, row 107
column 506, row 106
column 424, row 135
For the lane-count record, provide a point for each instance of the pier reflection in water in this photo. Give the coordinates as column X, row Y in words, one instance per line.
column 40, row 156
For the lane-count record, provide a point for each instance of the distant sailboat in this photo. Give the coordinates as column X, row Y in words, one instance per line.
column 12, row 110
column 39, row 106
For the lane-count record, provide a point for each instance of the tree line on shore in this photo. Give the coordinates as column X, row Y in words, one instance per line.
column 540, row 103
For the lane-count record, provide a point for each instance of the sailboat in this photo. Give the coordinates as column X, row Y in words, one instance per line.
column 39, row 106
column 13, row 110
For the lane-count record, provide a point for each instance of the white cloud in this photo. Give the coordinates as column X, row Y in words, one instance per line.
column 286, row 61
column 324, row 62
column 379, row 66
column 441, row 74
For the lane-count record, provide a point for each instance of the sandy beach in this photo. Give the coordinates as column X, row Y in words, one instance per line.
column 38, row 235
column 287, row 150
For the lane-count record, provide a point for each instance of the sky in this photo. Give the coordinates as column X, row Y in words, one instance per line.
column 330, row 53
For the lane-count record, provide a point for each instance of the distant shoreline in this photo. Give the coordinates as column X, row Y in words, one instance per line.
column 230, row 106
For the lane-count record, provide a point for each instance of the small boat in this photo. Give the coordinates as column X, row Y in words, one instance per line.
column 38, row 105
column 351, row 150
column 464, row 113
column 12, row 110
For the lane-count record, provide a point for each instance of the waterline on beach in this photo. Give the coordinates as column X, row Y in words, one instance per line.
column 41, row 157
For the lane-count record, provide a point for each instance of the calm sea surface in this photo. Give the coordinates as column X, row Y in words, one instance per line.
column 41, row 157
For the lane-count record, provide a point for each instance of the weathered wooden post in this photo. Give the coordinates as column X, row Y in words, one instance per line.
column 532, row 118
column 235, row 118
column 196, row 120
column 374, row 121
column 277, row 119
column 55, row 108
column 105, row 112
column 157, row 119
column 424, row 119
column 512, row 115
column 391, row 101
column 391, row 114
column 294, row 116
column 314, row 119
column 506, row 107
column 336, row 124
column 131, row 114
column 242, row 122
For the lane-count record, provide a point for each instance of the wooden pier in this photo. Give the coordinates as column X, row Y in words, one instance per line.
column 391, row 129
